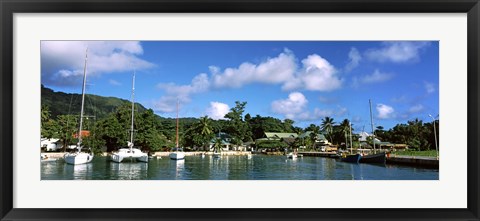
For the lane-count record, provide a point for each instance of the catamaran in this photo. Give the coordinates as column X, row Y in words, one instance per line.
column 79, row 157
column 130, row 153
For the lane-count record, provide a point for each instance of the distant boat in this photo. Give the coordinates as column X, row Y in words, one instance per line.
column 130, row 153
column 79, row 157
column 352, row 158
column 378, row 158
column 178, row 153
column 216, row 154
column 292, row 156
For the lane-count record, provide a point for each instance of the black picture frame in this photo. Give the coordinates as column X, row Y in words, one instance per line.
column 10, row 7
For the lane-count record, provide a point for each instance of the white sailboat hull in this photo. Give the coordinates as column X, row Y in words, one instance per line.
column 125, row 154
column 177, row 156
column 78, row 158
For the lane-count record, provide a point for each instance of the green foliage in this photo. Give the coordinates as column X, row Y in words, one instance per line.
column 60, row 103
column 271, row 144
column 236, row 126
column 327, row 127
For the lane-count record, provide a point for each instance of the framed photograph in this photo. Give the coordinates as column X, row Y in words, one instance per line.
column 261, row 110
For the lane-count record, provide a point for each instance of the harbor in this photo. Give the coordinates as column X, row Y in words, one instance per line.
column 246, row 119
column 231, row 167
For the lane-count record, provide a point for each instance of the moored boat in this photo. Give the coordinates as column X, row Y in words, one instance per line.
column 378, row 158
column 292, row 156
column 178, row 153
column 129, row 152
column 352, row 158
column 80, row 157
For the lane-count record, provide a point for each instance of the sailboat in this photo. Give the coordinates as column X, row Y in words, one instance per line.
column 178, row 153
column 80, row 157
column 351, row 158
column 376, row 158
column 130, row 152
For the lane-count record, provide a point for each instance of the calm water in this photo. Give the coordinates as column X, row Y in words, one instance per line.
column 259, row 167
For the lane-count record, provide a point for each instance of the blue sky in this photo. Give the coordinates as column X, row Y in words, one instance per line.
column 300, row 80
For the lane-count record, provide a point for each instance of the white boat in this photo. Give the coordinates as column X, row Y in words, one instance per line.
column 178, row 153
column 79, row 157
column 292, row 156
column 216, row 154
column 130, row 153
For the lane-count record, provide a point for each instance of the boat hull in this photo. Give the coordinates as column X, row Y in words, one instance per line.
column 355, row 158
column 125, row 154
column 177, row 156
column 379, row 158
column 78, row 158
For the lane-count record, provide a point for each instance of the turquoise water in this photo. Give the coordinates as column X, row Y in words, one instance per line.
column 258, row 167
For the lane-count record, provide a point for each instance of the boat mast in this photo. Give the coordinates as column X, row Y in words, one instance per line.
column 83, row 100
column 133, row 109
column 371, row 120
column 177, row 126
column 351, row 141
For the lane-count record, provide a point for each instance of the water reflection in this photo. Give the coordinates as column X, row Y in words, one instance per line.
column 258, row 167
column 128, row 170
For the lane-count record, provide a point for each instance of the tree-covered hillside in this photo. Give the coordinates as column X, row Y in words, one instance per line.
column 60, row 103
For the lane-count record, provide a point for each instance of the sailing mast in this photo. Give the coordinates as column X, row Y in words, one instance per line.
column 83, row 100
column 351, row 141
column 177, row 126
column 133, row 109
column 371, row 120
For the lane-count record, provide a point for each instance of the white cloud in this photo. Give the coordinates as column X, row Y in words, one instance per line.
column 272, row 71
column 429, row 87
column 295, row 107
column 217, row 110
column 182, row 93
column 61, row 57
column 416, row 108
column 290, row 107
column 317, row 74
column 397, row 52
column 385, row 111
column 114, row 82
column 375, row 77
column 354, row 59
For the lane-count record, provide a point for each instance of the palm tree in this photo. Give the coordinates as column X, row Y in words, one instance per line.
column 217, row 146
column 313, row 135
column 345, row 129
column 327, row 126
column 205, row 129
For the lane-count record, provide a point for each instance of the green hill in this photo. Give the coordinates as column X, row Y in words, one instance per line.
column 60, row 103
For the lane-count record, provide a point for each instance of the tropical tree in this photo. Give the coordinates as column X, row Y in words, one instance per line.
column 327, row 127
column 217, row 145
column 67, row 128
column 313, row 136
column 345, row 130
column 205, row 130
column 237, row 127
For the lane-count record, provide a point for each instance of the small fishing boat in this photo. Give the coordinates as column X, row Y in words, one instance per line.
column 378, row 158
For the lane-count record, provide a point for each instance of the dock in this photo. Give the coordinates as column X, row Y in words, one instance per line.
column 416, row 161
